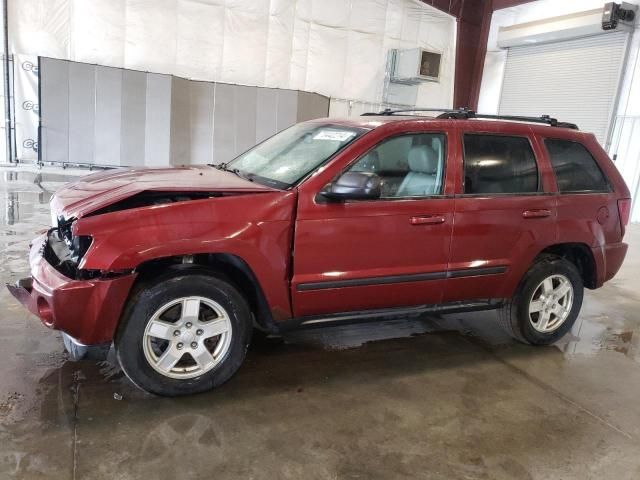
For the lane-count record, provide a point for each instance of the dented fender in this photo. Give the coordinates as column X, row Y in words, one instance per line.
column 256, row 227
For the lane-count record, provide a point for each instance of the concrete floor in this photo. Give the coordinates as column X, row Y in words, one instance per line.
column 449, row 397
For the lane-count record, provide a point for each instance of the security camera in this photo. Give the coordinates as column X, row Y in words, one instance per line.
column 613, row 13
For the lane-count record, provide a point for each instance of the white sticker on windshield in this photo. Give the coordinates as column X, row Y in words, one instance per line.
column 335, row 135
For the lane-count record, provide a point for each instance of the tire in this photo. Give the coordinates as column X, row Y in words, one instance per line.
column 520, row 316
column 160, row 324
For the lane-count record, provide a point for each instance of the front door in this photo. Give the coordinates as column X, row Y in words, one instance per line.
column 374, row 254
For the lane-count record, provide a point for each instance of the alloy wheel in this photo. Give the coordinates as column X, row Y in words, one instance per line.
column 551, row 303
column 187, row 337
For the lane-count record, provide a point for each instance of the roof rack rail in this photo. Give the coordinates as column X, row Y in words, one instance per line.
column 389, row 111
column 465, row 113
column 545, row 119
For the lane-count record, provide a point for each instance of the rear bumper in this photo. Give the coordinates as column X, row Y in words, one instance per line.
column 609, row 259
column 87, row 310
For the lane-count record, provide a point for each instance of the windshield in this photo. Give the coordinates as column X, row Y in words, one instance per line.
column 286, row 158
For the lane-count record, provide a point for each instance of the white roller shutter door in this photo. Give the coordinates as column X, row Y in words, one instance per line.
column 575, row 81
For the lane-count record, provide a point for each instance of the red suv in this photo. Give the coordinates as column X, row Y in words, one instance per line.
column 329, row 221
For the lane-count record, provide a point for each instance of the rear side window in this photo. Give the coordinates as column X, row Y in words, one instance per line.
column 575, row 168
column 499, row 164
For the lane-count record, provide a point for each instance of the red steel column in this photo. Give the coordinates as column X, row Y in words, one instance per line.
column 474, row 21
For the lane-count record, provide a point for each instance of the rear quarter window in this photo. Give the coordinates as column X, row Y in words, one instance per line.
column 575, row 168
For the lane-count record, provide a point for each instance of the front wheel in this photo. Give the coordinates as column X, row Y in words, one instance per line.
column 186, row 333
column 546, row 303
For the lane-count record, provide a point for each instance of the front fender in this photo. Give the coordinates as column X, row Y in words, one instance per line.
column 256, row 228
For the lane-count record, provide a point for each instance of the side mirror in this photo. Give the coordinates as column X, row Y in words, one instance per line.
column 354, row 186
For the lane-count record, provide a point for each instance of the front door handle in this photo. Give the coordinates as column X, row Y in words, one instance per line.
column 427, row 220
column 541, row 213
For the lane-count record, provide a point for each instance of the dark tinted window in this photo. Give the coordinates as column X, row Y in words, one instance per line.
column 576, row 170
column 499, row 164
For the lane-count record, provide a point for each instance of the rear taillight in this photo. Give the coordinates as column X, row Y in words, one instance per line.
column 624, row 211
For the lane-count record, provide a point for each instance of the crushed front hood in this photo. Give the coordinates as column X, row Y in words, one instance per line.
column 101, row 189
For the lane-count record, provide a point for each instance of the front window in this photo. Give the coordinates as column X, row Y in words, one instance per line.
column 409, row 165
column 286, row 158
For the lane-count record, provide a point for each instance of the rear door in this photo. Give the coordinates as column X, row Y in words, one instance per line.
column 505, row 212
column 375, row 254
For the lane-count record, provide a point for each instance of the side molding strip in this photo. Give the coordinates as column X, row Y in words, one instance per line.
column 475, row 272
column 415, row 277
column 361, row 282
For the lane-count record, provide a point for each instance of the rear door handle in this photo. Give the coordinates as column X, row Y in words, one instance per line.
column 541, row 213
column 427, row 220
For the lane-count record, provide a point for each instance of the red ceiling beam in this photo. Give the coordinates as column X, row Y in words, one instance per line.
column 474, row 21
column 452, row 7
column 499, row 4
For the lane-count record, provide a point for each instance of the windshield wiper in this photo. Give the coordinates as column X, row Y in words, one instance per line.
column 241, row 174
column 220, row 166
column 236, row 171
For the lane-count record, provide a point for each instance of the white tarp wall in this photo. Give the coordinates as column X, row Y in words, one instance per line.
column 26, row 108
column 3, row 140
column 625, row 147
column 3, row 134
column 336, row 48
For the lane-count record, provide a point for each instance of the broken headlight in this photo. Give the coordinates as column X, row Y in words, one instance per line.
column 65, row 251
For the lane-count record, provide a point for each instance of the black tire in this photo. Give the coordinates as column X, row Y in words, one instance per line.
column 514, row 315
column 147, row 298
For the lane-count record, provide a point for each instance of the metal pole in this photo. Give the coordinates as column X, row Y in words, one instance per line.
column 7, row 89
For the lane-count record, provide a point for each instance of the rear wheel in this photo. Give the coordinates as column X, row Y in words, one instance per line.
column 183, row 334
column 546, row 303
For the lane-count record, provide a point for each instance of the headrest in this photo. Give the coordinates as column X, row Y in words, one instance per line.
column 423, row 159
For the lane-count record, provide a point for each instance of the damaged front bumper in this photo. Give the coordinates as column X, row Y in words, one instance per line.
column 86, row 310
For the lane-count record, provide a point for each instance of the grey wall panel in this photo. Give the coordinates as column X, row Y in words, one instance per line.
column 266, row 113
column 133, row 120
column 245, row 118
column 180, row 121
column 224, row 135
column 312, row 105
column 54, row 110
column 201, row 110
column 122, row 117
column 108, row 115
column 287, row 108
column 82, row 89
column 158, row 120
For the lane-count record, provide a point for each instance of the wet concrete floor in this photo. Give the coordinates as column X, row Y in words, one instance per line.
column 430, row 397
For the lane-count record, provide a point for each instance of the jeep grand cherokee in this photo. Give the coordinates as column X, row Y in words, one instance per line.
column 329, row 221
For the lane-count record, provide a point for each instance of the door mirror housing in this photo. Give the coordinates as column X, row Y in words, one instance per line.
column 354, row 186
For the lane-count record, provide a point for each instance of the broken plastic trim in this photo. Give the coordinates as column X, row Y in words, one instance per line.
column 63, row 251
column 90, row 274
column 149, row 198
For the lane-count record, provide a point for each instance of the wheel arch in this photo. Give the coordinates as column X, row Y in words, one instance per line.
column 230, row 267
column 581, row 256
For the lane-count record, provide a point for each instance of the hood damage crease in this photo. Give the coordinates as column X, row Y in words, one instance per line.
column 150, row 198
